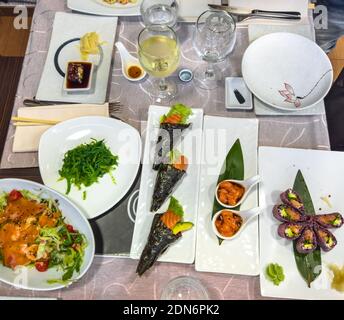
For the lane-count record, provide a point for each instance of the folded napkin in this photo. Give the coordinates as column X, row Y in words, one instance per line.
column 26, row 138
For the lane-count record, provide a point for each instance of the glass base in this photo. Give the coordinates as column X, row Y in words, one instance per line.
column 207, row 78
column 163, row 92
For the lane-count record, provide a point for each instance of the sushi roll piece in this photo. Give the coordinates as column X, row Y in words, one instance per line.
column 326, row 240
column 168, row 178
column 166, row 229
column 331, row 220
column 172, row 127
column 307, row 242
column 286, row 213
column 292, row 199
column 291, row 230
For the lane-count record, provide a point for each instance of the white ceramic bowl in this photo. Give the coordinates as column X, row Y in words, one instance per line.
column 30, row 278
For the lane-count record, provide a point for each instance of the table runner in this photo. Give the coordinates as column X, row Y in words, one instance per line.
column 115, row 278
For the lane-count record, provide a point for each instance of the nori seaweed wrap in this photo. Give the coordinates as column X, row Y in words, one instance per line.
column 326, row 240
column 331, row 220
column 166, row 181
column 292, row 199
column 291, row 230
column 286, row 213
column 166, row 229
column 307, row 243
column 159, row 239
column 168, row 137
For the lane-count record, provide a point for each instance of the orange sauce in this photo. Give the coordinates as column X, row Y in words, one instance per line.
column 230, row 193
column 228, row 223
column 134, row 72
column 20, row 223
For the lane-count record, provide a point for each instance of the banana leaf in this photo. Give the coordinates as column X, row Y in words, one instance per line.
column 233, row 168
column 309, row 265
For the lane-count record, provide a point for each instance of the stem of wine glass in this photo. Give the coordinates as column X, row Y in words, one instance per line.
column 209, row 73
column 162, row 84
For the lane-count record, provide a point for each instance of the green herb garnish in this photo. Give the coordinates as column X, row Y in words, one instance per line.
column 275, row 274
column 176, row 207
column 178, row 109
column 85, row 164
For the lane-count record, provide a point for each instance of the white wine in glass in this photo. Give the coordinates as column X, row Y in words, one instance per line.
column 159, row 55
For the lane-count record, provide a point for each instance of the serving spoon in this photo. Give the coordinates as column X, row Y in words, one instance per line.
column 246, row 216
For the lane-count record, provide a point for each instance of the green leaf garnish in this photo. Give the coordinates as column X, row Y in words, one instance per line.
column 176, row 207
column 85, row 164
column 309, row 265
column 180, row 109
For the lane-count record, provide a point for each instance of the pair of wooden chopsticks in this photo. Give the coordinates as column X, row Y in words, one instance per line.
column 21, row 121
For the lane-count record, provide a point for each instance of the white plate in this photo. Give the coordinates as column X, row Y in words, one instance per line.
column 241, row 255
column 64, row 29
column 30, row 278
column 182, row 251
column 122, row 139
column 117, row 5
column 280, row 67
column 323, row 172
column 103, row 9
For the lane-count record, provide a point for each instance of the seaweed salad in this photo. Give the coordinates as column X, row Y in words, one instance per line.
column 166, row 229
column 172, row 126
column 168, row 177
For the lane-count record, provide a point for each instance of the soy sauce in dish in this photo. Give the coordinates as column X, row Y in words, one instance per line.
column 134, row 72
column 78, row 75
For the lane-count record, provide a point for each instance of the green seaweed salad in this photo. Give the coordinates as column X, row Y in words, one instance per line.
column 86, row 163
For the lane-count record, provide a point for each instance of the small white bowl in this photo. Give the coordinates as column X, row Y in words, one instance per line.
column 127, row 61
column 247, row 184
column 246, row 216
column 89, row 85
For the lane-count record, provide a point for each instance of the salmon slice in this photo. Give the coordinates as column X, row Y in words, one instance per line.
column 170, row 219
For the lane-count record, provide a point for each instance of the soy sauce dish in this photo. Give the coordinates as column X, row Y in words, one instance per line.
column 78, row 76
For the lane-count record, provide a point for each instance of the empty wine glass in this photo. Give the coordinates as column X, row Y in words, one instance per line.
column 163, row 12
column 159, row 55
column 214, row 39
column 184, row 288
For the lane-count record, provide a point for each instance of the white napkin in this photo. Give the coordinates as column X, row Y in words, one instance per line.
column 26, row 138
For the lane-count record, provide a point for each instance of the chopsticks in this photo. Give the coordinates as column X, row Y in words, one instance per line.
column 22, row 121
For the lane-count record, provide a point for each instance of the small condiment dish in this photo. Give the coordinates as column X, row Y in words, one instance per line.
column 86, row 81
column 128, row 61
column 247, row 184
column 246, row 216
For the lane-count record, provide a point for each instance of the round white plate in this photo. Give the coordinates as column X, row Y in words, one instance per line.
column 119, row 5
column 287, row 71
column 30, row 278
column 122, row 139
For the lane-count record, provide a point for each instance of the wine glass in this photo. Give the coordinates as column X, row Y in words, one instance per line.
column 214, row 39
column 184, row 288
column 163, row 12
column 159, row 55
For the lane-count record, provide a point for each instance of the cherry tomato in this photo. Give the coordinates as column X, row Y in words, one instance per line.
column 42, row 266
column 70, row 228
column 14, row 195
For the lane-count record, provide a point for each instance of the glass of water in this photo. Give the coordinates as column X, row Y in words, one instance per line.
column 161, row 12
column 214, row 39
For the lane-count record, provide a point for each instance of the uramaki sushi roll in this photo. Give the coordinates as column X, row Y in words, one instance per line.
column 285, row 213
column 291, row 230
column 307, row 242
column 326, row 240
column 331, row 220
column 292, row 199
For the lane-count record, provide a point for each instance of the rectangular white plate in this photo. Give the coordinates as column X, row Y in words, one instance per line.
column 68, row 26
column 241, row 255
column 182, row 251
column 323, row 172
column 93, row 7
column 189, row 10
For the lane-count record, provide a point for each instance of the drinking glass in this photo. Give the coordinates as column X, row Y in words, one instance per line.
column 163, row 12
column 214, row 39
column 184, row 288
column 159, row 55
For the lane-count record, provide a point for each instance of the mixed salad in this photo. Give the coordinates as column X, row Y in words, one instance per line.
column 34, row 233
